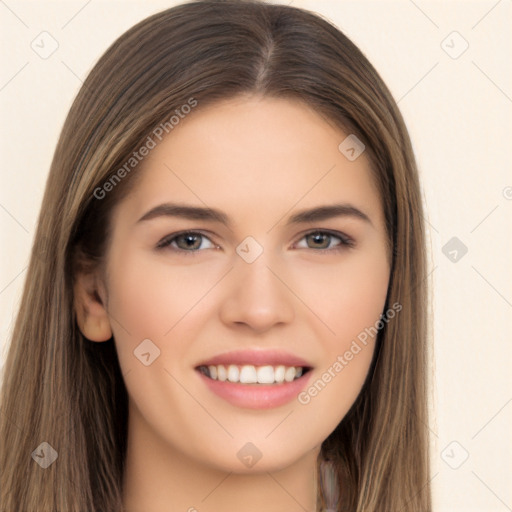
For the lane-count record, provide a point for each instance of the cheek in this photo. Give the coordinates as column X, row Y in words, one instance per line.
column 151, row 297
column 349, row 299
column 347, row 296
column 150, row 300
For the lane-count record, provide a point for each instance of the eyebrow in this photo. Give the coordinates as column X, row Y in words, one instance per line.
column 316, row 214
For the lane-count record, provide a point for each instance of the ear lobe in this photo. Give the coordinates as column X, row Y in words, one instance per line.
column 91, row 313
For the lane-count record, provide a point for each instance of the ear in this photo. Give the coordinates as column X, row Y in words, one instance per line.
column 90, row 307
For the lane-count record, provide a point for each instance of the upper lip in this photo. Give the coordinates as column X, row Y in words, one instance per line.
column 256, row 358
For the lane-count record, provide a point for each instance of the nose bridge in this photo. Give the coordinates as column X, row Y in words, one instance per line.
column 257, row 296
column 256, row 277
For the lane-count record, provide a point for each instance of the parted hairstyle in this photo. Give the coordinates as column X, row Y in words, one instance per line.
column 60, row 388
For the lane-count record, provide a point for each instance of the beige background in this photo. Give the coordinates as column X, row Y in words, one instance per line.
column 458, row 111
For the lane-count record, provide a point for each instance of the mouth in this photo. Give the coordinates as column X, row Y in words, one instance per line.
column 251, row 375
column 255, row 378
column 255, row 387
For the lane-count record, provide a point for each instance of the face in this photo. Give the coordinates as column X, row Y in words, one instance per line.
column 253, row 285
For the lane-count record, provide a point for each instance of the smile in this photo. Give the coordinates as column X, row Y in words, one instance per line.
column 250, row 374
column 265, row 387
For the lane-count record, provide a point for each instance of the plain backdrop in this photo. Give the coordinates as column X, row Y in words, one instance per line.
column 448, row 66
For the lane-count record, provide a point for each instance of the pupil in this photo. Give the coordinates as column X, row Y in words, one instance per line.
column 189, row 240
column 318, row 237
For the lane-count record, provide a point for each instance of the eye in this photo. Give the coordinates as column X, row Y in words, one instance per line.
column 322, row 240
column 192, row 241
column 186, row 241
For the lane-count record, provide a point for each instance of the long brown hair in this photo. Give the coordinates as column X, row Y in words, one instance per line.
column 61, row 389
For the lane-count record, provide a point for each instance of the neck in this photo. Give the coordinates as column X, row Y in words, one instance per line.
column 161, row 478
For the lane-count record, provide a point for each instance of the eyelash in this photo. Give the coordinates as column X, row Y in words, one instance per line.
column 345, row 241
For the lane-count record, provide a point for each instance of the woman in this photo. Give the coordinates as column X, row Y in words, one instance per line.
column 233, row 314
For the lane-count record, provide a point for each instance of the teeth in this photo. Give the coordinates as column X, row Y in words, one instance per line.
column 213, row 371
column 289, row 374
column 279, row 374
column 265, row 375
column 233, row 373
column 221, row 372
column 249, row 374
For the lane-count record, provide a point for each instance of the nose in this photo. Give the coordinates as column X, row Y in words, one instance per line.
column 257, row 296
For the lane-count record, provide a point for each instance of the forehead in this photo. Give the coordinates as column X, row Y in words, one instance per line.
column 254, row 152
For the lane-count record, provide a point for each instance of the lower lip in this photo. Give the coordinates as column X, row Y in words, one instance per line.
column 257, row 396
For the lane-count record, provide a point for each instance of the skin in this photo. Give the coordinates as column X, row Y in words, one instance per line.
column 259, row 160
